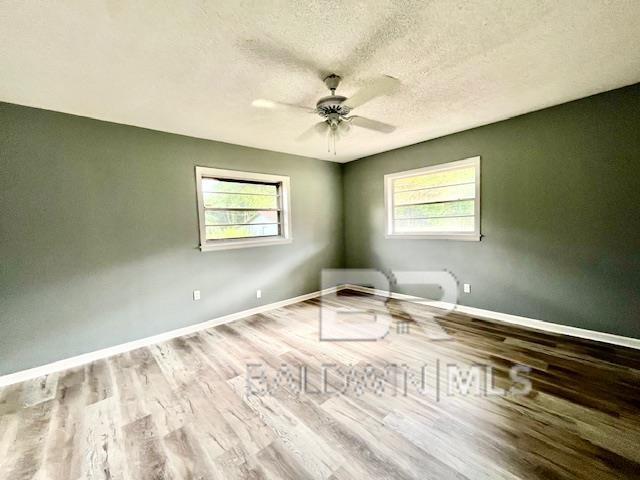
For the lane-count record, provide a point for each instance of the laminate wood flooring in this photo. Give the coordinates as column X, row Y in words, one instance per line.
column 262, row 397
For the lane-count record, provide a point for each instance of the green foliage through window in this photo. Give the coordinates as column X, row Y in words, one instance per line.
column 435, row 201
column 235, row 209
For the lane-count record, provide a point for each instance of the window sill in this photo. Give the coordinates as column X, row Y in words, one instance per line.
column 248, row 243
column 465, row 237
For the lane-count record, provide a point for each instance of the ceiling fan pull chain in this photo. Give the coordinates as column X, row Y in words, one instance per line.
column 335, row 135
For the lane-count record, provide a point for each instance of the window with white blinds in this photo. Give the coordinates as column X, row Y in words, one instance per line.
column 242, row 209
column 439, row 202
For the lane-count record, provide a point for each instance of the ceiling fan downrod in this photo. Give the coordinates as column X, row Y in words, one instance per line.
column 332, row 81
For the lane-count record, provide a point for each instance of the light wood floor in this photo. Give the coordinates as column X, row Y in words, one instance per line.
column 180, row 410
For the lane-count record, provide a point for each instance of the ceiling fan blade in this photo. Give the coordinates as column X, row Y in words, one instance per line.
column 365, row 122
column 272, row 105
column 383, row 85
column 319, row 128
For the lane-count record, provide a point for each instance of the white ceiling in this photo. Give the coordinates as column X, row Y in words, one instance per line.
column 194, row 67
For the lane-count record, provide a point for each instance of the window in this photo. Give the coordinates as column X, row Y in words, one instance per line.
column 438, row 202
column 242, row 209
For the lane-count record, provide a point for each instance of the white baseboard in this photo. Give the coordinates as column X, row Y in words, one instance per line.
column 85, row 358
column 509, row 318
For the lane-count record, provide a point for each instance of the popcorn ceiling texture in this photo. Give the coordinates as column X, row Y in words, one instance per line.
column 193, row 68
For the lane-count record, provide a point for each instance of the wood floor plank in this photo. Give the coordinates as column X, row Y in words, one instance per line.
column 146, row 459
column 128, row 389
column 8, row 435
column 310, row 449
column 102, row 443
column 98, row 380
column 277, row 463
column 387, row 443
column 25, row 456
column 39, row 390
column 166, row 410
column 187, row 458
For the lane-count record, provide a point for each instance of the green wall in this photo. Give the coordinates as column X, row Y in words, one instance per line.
column 99, row 232
column 560, row 198
column 99, row 235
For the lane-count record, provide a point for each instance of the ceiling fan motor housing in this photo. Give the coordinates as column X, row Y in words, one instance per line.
column 333, row 104
column 331, row 107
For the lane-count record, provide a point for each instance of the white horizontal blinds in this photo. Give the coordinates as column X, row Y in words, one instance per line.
column 437, row 202
column 241, row 209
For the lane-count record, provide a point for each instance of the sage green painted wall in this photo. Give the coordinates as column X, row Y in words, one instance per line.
column 560, row 198
column 99, row 235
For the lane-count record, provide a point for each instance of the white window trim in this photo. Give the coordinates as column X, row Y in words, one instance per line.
column 388, row 202
column 285, row 208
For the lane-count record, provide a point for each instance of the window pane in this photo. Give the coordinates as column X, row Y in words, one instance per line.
column 215, row 185
column 463, row 207
column 241, row 231
column 234, row 217
column 439, row 194
column 447, row 177
column 233, row 200
column 435, row 225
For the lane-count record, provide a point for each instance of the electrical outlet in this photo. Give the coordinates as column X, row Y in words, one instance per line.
column 466, row 287
column 196, row 294
column 258, row 293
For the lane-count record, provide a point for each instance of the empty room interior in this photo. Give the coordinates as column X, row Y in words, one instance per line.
column 385, row 239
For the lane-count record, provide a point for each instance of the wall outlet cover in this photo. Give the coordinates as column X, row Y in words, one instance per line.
column 196, row 294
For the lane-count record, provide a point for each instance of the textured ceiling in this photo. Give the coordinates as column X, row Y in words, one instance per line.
column 194, row 67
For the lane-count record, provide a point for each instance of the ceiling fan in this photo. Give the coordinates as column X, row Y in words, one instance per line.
column 335, row 109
